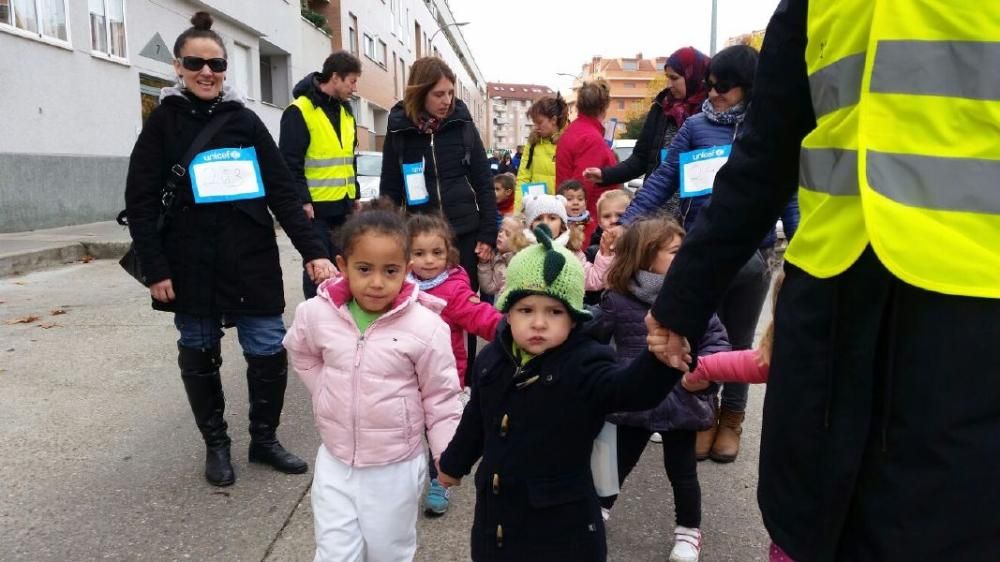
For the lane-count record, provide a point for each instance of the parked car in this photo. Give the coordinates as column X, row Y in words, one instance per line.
column 623, row 149
column 369, row 172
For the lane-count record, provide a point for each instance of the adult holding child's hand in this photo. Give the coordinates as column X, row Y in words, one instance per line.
column 215, row 263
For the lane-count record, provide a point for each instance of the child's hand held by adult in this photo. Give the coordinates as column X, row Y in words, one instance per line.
column 691, row 385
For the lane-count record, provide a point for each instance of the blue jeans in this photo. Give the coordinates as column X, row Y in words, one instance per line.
column 259, row 335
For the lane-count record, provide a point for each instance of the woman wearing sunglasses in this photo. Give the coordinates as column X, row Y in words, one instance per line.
column 215, row 263
column 730, row 88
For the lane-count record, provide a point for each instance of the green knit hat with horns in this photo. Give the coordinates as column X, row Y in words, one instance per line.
column 545, row 269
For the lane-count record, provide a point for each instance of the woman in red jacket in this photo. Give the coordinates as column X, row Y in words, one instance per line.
column 582, row 145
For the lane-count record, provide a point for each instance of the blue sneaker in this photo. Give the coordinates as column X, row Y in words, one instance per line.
column 436, row 500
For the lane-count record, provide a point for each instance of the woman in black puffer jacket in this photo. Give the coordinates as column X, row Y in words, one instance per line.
column 216, row 262
column 433, row 127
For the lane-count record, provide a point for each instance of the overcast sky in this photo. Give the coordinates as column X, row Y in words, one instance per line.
column 532, row 40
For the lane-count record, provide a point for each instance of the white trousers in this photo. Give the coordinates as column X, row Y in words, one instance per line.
column 366, row 514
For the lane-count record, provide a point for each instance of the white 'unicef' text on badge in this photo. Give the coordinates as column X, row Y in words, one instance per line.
column 699, row 167
column 226, row 174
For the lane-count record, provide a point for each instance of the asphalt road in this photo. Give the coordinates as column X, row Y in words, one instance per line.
column 100, row 458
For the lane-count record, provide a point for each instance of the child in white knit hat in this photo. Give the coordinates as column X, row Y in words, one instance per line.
column 551, row 211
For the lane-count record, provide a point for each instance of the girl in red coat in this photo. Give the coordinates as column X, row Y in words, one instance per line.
column 582, row 145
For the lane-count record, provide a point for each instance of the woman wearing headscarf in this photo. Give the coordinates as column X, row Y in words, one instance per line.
column 730, row 91
column 685, row 70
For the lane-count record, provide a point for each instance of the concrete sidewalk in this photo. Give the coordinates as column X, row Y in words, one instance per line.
column 23, row 252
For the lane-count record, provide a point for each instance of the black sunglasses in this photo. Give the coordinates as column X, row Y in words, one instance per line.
column 720, row 87
column 194, row 64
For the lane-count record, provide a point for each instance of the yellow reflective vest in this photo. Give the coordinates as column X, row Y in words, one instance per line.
column 329, row 162
column 906, row 151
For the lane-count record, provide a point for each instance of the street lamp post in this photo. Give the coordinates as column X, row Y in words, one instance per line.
column 715, row 23
column 440, row 29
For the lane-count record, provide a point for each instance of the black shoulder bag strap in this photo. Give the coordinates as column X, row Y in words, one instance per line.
column 468, row 140
column 178, row 171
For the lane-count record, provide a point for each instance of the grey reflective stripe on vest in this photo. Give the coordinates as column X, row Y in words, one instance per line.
column 932, row 182
column 960, row 69
column 833, row 171
column 327, row 162
column 331, row 182
column 837, row 85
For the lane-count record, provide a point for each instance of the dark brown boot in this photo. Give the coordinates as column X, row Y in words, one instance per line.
column 704, row 440
column 727, row 442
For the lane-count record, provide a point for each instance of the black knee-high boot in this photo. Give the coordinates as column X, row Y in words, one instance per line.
column 200, row 373
column 267, row 377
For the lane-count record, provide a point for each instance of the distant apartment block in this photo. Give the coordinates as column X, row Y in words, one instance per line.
column 509, row 122
column 628, row 78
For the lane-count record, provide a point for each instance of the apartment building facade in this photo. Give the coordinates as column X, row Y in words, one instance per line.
column 628, row 78
column 77, row 79
column 509, row 124
column 388, row 36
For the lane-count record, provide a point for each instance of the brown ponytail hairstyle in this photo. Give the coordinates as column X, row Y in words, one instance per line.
column 593, row 98
column 551, row 107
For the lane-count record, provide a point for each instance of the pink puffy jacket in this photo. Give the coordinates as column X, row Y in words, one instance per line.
column 374, row 394
column 465, row 313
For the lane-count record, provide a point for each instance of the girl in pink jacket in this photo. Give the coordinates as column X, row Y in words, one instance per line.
column 435, row 269
column 376, row 358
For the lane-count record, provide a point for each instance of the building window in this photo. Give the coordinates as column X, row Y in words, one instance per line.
column 45, row 18
column 631, row 65
column 239, row 69
column 107, row 28
column 621, row 104
column 352, row 35
column 380, row 54
column 630, row 84
column 274, row 74
column 370, row 47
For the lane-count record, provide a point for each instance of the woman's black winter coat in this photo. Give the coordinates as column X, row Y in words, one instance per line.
column 222, row 258
column 463, row 193
column 535, row 497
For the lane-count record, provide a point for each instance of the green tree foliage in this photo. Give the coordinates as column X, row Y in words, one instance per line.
column 314, row 17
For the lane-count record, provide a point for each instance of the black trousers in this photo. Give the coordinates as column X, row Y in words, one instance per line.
column 679, row 462
column 881, row 431
column 739, row 312
column 466, row 245
column 325, row 228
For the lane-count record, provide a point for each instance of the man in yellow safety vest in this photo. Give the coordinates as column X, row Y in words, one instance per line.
column 881, row 426
column 318, row 141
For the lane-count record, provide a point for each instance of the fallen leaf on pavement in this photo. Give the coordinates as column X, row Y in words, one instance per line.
column 22, row 320
column 47, row 325
column 57, row 311
column 20, row 282
column 87, row 259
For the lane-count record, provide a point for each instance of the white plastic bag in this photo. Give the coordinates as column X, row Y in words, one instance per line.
column 604, row 461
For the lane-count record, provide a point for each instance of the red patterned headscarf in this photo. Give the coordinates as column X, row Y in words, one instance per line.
column 692, row 64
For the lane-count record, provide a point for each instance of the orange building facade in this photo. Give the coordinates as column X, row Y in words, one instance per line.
column 629, row 79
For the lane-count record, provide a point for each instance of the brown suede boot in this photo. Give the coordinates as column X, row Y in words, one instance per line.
column 727, row 442
column 704, row 440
